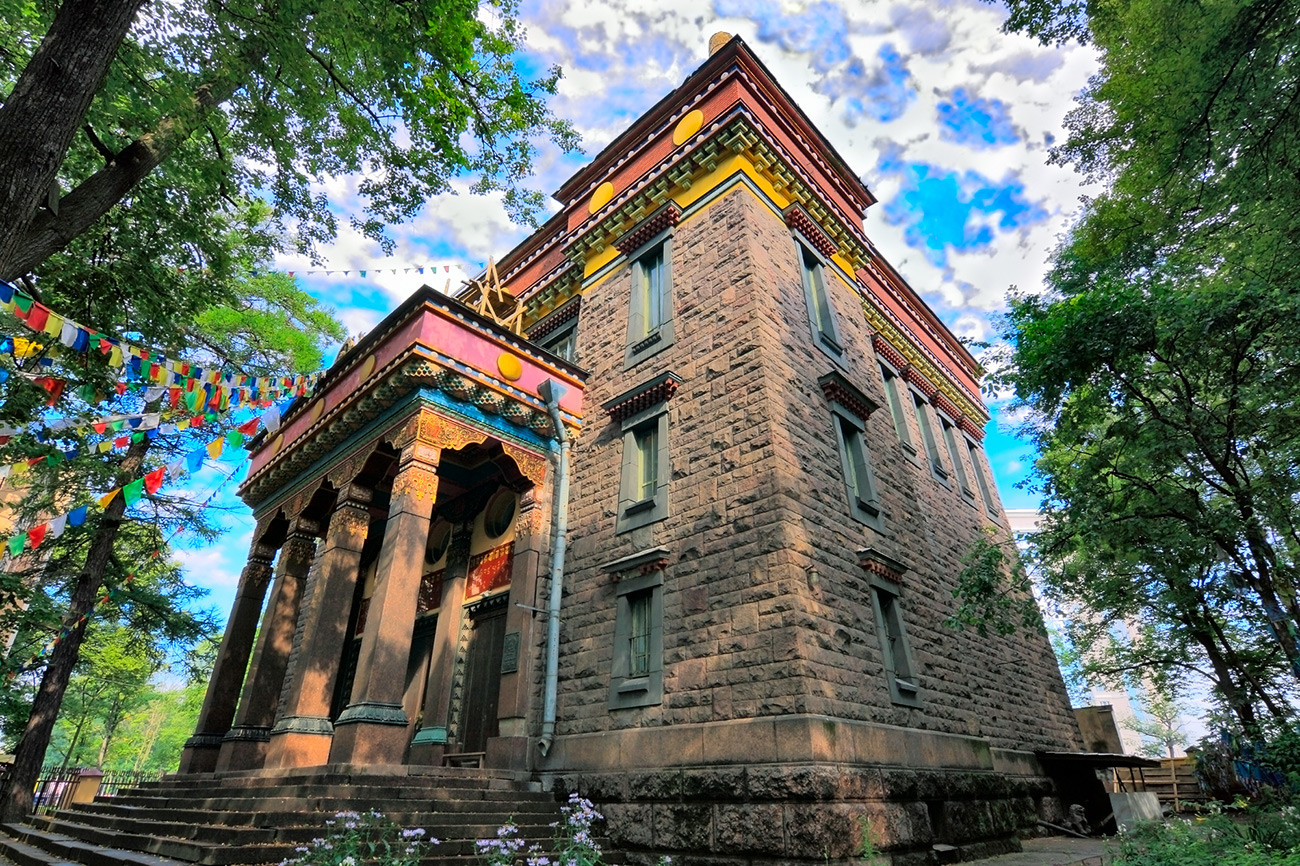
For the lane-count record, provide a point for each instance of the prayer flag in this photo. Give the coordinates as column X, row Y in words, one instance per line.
column 154, row 479
column 77, row 516
column 133, row 491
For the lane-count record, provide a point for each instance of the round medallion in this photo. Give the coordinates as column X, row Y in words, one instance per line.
column 509, row 366
column 688, row 126
column 317, row 409
column 499, row 514
column 274, row 447
column 367, row 367
column 439, row 540
column 601, row 196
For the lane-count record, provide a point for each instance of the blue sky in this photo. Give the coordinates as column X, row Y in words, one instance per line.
column 947, row 120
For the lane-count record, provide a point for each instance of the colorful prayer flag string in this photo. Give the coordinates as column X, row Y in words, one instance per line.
column 117, row 592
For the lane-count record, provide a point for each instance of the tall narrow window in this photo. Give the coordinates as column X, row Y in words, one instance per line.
column 637, row 670
column 821, row 314
column 649, row 294
column 647, row 460
column 954, row 454
column 650, row 312
column 642, row 414
column 900, row 672
column 638, row 639
column 850, row 409
column 981, row 480
column 922, row 407
column 896, row 410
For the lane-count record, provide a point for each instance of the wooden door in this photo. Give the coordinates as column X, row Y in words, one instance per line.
column 483, row 678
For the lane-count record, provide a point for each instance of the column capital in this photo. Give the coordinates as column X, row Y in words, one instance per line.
column 261, row 554
column 354, row 494
column 305, row 526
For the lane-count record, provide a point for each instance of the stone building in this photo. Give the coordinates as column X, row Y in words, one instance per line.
column 771, row 468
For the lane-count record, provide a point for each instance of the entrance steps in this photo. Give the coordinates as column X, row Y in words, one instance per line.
column 262, row 816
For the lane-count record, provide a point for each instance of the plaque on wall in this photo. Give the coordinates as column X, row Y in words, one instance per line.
column 510, row 653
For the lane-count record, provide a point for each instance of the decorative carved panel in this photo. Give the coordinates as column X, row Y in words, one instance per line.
column 416, row 479
column 531, row 466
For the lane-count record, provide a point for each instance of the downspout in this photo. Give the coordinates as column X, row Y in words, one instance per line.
column 551, row 392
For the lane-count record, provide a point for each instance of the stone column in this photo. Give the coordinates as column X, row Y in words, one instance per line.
column 200, row 752
column 244, row 746
column 374, row 727
column 430, row 742
column 301, row 738
column 516, row 700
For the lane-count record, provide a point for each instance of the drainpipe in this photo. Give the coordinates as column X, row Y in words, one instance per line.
column 551, row 392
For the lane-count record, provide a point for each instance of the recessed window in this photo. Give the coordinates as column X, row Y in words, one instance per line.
column 563, row 342
column 954, row 454
column 926, row 425
column 439, row 541
column 500, row 513
column 650, row 311
column 642, row 414
column 637, row 672
column 850, row 409
column 981, row 479
column 900, row 672
column 821, row 314
column 893, row 393
column 638, row 638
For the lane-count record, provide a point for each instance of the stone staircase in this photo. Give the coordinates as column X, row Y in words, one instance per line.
column 261, row 817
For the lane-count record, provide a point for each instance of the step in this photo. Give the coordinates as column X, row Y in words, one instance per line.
column 337, row 792
column 445, row 810
column 28, row 846
column 189, row 851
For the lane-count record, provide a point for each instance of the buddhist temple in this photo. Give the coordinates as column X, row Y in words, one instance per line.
column 667, row 508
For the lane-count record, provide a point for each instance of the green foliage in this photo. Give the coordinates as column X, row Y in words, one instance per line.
column 1159, row 724
column 1162, row 366
column 354, row 839
column 1257, row 839
column 994, row 590
column 253, row 102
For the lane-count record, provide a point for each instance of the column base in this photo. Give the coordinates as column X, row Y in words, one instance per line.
column 200, row 753
column 370, row 733
column 428, row 747
column 300, row 741
column 244, row 748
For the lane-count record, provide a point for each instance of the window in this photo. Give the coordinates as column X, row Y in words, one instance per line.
column 821, row 315
column 650, row 315
column 900, row 672
column 637, row 672
column 563, row 342
column 850, row 409
column 922, row 407
column 643, row 485
column 500, row 513
column 981, row 480
column 954, row 454
column 896, row 411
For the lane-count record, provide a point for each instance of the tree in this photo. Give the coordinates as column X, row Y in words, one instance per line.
column 183, row 280
column 1160, row 725
column 1162, row 367
column 275, row 97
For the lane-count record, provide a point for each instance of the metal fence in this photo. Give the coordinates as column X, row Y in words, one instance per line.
column 56, row 785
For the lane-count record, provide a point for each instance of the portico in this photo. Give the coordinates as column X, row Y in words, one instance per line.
column 401, row 512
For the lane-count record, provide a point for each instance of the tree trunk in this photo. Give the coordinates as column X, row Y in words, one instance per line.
column 16, row 798
column 47, row 106
column 46, row 233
